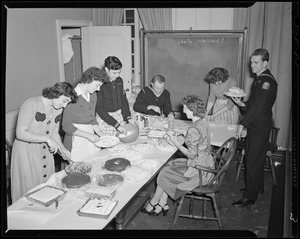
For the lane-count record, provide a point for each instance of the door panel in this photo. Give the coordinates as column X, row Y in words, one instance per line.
column 101, row 42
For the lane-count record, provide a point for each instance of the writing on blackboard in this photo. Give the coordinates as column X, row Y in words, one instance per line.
column 190, row 42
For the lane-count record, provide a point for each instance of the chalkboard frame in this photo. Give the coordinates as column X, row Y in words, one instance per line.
column 145, row 35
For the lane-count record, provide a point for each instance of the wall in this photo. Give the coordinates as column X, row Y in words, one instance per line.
column 202, row 18
column 32, row 52
column 32, row 55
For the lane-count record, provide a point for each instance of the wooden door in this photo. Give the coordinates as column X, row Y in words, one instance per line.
column 101, row 42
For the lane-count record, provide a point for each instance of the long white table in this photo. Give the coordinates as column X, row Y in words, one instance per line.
column 26, row 215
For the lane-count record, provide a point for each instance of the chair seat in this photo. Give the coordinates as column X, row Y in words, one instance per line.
column 205, row 190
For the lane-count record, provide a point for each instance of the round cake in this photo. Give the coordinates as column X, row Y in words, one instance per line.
column 117, row 164
column 110, row 179
column 75, row 181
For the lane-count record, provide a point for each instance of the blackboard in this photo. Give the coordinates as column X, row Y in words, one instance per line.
column 185, row 57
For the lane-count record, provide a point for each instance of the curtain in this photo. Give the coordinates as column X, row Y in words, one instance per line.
column 270, row 26
column 156, row 18
column 107, row 16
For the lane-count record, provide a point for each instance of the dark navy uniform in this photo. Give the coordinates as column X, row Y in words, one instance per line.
column 258, row 121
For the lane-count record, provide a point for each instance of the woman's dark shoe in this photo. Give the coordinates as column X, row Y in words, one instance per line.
column 144, row 210
column 244, row 202
column 164, row 210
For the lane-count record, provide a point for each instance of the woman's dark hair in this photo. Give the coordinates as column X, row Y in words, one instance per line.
column 195, row 104
column 93, row 73
column 60, row 88
column 263, row 53
column 113, row 63
column 217, row 74
column 158, row 78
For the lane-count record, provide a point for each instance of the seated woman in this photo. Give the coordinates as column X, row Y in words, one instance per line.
column 179, row 177
column 224, row 109
column 37, row 138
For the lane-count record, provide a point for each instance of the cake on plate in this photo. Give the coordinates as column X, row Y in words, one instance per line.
column 117, row 164
column 75, row 180
column 236, row 91
column 78, row 168
column 95, row 191
column 110, row 179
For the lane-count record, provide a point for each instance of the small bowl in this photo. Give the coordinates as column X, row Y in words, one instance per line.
column 131, row 135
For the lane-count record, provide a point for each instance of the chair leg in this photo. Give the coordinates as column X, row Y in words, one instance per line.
column 177, row 211
column 272, row 169
column 216, row 208
column 240, row 164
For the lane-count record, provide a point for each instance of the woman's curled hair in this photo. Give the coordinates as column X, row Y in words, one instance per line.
column 195, row 104
column 93, row 73
column 217, row 74
column 60, row 88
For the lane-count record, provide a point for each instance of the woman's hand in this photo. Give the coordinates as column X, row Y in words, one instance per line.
column 155, row 108
column 238, row 101
column 53, row 146
column 239, row 131
column 173, row 138
column 122, row 129
column 65, row 154
column 93, row 138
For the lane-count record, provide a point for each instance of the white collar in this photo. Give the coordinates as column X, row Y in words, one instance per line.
column 79, row 91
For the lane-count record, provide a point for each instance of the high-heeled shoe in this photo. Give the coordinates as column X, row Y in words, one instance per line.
column 144, row 210
column 163, row 210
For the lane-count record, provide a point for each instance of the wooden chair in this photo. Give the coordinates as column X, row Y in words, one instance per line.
column 269, row 166
column 8, row 149
column 223, row 157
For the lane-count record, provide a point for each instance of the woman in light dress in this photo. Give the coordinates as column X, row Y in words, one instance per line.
column 223, row 108
column 79, row 119
column 37, row 138
column 179, row 177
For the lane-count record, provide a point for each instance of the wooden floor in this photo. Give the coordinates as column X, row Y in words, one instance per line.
column 255, row 221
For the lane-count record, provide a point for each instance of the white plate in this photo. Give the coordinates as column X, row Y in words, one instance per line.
column 157, row 134
column 230, row 94
column 107, row 141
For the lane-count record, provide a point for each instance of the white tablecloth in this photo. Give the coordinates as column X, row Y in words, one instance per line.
column 24, row 214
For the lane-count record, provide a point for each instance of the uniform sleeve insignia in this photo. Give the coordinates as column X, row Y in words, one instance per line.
column 266, row 86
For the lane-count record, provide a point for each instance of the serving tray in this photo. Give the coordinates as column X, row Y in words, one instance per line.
column 30, row 196
column 95, row 215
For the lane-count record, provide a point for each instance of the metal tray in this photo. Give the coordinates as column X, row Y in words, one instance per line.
column 28, row 196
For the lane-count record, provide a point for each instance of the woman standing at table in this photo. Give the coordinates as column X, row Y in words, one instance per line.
column 79, row 119
column 223, row 108
column 37, row 138
column 179, row 177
